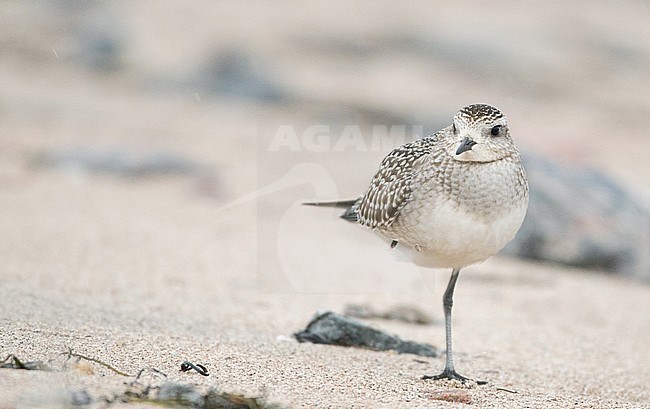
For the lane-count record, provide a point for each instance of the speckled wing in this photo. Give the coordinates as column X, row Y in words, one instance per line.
column 390, row 188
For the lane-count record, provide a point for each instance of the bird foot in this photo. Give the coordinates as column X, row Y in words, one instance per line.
column 453, row 375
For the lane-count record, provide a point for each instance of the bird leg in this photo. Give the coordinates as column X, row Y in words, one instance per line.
column 447, row 301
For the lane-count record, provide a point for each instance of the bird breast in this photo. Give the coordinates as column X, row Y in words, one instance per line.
column 462, row 213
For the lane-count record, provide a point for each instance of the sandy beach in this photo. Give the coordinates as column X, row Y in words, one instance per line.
column 146, row 219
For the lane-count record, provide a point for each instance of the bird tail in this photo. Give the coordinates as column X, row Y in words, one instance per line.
column 350, row 207
column 337, row 203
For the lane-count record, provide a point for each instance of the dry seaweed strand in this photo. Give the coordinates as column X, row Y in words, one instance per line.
column 13, row 362
column 144, row 395
column 71, row 354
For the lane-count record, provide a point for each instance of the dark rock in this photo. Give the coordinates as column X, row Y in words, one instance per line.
column 79, row 398
column 406, row 313
column 238, row 74
column 334, row 329
column 580, row 217
column 101, row 47
column 179, row 394
column 116, row 162
column 219, row 400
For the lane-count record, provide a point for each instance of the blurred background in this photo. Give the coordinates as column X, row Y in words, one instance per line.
column 128, row 127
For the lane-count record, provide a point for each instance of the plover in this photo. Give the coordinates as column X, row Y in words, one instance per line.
column 448, row 200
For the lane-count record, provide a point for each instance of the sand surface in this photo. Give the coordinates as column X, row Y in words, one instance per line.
column 149, row 271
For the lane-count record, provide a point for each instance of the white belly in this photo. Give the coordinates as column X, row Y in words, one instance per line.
column 449, row 237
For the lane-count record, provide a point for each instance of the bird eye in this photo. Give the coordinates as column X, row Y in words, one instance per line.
column 496, row 130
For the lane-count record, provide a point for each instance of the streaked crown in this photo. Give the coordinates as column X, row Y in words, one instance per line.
column 482, row 113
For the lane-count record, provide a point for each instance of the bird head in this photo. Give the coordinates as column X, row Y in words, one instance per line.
column 480, row 134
